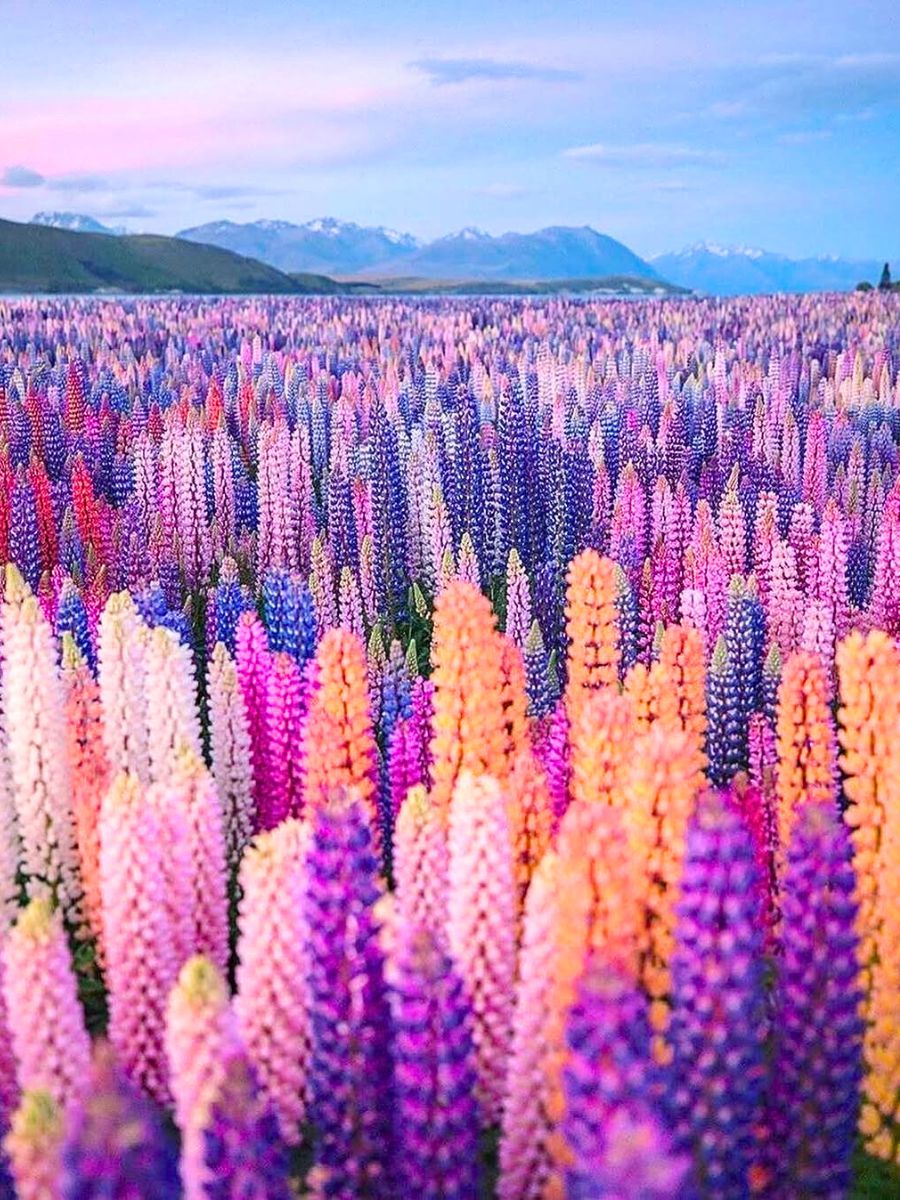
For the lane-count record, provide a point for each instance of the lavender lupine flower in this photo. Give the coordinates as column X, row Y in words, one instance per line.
column 351, row 1068
column 116, row 1146
column 612, row 1125
column 434, row 1073
column 817, row 1030
column 244, row 1158
column 717, row 1026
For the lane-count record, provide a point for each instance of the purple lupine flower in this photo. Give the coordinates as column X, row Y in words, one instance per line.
column 612, row 1123
column 117, row 1146
column 244, row 1156
column 537, row 673
column 24, row 541
column 434, row 1073
column 350, row 1073
column 817, row 1029
column 724, row 735
column 71, row 617
column 717, row 1027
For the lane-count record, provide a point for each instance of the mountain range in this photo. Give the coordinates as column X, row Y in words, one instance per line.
column 343, row 248
column 557, row 254
column 742, row 270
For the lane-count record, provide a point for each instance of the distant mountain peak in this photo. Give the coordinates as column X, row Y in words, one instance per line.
column 75, row 223
column 343, row 248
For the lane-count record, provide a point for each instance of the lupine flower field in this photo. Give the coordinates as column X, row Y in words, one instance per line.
column 450, row 748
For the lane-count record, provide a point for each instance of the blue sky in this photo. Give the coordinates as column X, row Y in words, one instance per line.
column 776, row 125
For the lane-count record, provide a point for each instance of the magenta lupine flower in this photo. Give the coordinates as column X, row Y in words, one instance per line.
column 285, row 699
column 886, row 588
column 552, row 750
column 817, row 1068
column 613, row 1126
column 116, row 1145
column 252, row 660
column 351, row 1066
column 717, row 1025
column 436, row 1115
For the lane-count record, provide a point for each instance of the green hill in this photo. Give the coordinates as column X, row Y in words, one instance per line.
column 615, row 285
column 37, row 258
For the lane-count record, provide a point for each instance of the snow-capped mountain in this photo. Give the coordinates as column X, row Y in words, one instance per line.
column 323, row 245
column 344, row 248
column 558, row 252
column 75, row 223
column 741, row 270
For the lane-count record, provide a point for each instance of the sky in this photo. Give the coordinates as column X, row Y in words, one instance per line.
column 660, row 123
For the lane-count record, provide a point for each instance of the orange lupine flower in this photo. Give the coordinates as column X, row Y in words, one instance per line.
column 869, row 716
column 664, row 779
column 807, row 751
column 515, row 698
column 598, row 909
column 641, row 685
column 530, row 817
column 469, row 729
column 601, row 736
column 340, row 746
column 681, row 696
column 592, row 626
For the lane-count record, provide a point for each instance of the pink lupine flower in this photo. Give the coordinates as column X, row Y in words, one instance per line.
column 120, row 651
column 34, row 709
column 525, row 1155
column 420, row 865
column 481, row 924
column 140, row 961
column 232, row 755
column 831, row 567
column 193, row 792
column 34, row 1147
column 272, row 988
column 201, row 1034
column 785, row 601
column 46, row 1023
column 173, row 718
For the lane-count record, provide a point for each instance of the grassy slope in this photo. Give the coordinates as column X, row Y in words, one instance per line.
column 35, row 258
column 414, row 285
